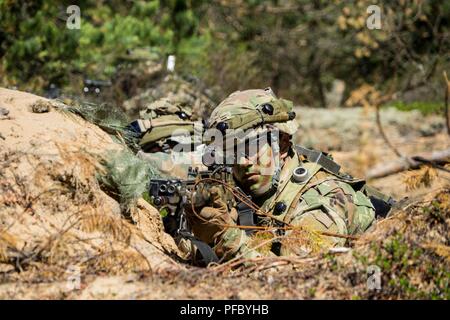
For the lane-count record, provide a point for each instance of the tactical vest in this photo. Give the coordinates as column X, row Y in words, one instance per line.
column 291, row 189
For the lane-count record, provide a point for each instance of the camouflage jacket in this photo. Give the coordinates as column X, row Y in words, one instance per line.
column 323, row 203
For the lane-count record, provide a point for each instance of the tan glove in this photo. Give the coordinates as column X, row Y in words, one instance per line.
column 214, row 219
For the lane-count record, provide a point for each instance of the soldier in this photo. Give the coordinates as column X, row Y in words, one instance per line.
column 299, row 191
column 162, row 127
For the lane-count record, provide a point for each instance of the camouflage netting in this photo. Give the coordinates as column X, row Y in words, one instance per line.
column 109, row 118
column 126, row 176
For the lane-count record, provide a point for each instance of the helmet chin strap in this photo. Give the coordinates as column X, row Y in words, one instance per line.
column 276, row 156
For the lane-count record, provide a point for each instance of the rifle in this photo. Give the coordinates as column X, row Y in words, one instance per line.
column 173, row 195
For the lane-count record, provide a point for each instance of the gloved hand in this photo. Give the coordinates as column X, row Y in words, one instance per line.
column 212, row 220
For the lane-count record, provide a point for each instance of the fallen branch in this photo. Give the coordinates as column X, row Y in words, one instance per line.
column 447, row 93
column 402, row 164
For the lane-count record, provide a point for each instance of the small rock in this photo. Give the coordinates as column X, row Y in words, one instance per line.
column 4, row 268
column 41, row 106
column 4, row 114
column 4, row 111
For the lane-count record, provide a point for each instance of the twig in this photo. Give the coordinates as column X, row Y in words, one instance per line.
column 431, row 163
column 447, row 93
column 388, row 97
column 383, row 134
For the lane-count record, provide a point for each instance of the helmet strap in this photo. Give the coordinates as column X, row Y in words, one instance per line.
column 275, row 143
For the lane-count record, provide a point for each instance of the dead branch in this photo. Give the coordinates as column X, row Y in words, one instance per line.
column 392, row 95
column 401, row 164
column 384, row 136
column 447, row 93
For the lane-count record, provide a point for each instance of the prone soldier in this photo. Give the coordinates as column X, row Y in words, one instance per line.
column 299, row 197
column 168, row 138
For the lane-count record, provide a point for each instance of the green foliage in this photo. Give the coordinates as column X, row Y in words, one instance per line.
column 223, row 68
column 37, row 49
column 33, row 44
column 297, row 47
column 102, row 43
column 425, row 108
column 126, row 176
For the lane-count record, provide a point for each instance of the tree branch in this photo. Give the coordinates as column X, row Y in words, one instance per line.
column 385, row 169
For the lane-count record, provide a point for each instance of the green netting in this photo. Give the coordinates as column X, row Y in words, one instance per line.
column 110, row 118
column 127, row 174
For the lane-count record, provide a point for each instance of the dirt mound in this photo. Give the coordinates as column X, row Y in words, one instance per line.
column 54, row 217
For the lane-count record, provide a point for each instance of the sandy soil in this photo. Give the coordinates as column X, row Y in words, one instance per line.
column 51, row 202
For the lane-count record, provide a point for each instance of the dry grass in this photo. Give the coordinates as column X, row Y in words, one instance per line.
column 423, row 177
column 58, row 217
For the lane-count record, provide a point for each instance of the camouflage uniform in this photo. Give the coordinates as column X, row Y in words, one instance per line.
column 324, row 201
column 161, row 126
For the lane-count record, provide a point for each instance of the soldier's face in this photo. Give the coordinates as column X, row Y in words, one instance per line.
column 254, row 172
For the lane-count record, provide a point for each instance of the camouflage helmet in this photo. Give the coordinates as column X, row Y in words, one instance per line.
column 254, row 108
column 162, row 121
column 166, row 127
column 165, row 106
